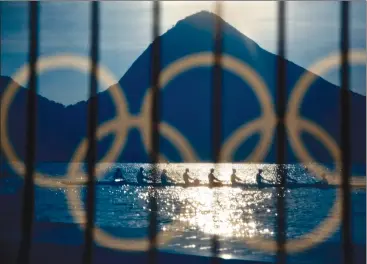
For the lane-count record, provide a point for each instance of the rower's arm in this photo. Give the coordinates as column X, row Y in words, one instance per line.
column 148, row 177
column 262, row 179
column 216, row 179
column 290, row 179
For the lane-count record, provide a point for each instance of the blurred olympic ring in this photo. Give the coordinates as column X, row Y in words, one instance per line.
column 100, row 236
column 49, row 63
column 265, row 124
column 325, row 228
column 296, row 124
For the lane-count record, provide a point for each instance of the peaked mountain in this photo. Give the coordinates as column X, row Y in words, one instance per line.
column 186, row 102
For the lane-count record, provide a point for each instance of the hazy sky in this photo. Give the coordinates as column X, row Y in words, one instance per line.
column 312, row 33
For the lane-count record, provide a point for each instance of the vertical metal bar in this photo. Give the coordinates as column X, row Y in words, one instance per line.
column 345, row 133
column 28, row 192
column 155, row 114
column 92, row 126
column 281, row 134
column 217, row 86
column 155, row 120
column 1, row 148
column 216, row 117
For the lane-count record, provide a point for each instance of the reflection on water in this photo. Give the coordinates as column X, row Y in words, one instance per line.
column 225, row 212
column 233, row 214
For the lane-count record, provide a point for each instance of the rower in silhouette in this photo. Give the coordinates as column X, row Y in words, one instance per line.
column 165, row 179
column 117, row 177
column 282, row 173
column 141, row 178
column 234, row 179
column 323, row 180
column 260, row 180
column 259, row 177
column 187, row 178
column 213, row 181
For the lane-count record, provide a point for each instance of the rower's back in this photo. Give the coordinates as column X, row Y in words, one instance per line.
column 164, row 177
column 259, row 177
column 233, row 178
column 186, row 177
column 211, row 178
column 140, row 176
column 118, row 175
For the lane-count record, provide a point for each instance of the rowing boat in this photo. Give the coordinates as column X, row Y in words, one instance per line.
column 215, row 185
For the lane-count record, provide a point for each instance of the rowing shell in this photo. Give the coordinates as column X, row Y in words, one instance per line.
column 215, row 185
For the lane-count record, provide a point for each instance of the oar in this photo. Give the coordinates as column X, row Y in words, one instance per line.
column 293, row 180
column 268, row 182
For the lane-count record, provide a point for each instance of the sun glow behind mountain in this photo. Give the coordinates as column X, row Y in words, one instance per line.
column 237, row 13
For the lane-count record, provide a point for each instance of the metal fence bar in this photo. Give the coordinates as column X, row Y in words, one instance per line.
column 30, row 155
column 281, row 134
column 156, row 65
column 155, row 120
column 345, row 134
column 217, row 103
column 1, row 148
column 92, row 126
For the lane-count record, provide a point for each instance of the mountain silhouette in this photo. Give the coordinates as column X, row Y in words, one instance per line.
column 186, row 103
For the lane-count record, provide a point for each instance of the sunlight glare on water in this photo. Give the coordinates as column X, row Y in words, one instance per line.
column 196, row 213
column 230, row 213
column 225, row 212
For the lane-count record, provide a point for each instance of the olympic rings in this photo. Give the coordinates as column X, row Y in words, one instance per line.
column 125, row 121
column 48, row 63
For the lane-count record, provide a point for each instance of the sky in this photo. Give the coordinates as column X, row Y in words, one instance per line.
column 126, row 31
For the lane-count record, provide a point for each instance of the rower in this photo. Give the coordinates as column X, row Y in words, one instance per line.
column 234, row 178
column 259, row 177
column 323, row 177
column 324, row 180
column 165, row 179
column 186, row 177
column 212, row 178
column 140, row 177
column 118, row 176
column 278, row 179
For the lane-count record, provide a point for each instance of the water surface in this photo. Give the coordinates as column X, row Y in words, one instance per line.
column 195, row 214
